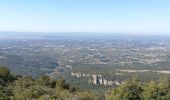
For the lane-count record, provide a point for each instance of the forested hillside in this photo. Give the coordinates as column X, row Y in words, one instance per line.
column 43, row 88
column 14, row 87
column 134, row 90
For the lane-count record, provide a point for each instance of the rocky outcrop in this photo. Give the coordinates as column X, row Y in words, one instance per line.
column 96, row 79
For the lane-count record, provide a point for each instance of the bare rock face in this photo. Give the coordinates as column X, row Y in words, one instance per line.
column 95, row 79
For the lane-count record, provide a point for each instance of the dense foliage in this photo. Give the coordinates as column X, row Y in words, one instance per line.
column 43, row 88
column 134, row 90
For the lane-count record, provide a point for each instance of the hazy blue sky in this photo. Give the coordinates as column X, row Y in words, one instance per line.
column 126, row 16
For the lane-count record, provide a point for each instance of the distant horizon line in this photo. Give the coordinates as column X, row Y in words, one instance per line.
column 100, row 33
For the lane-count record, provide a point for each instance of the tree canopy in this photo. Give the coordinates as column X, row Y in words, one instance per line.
column 42, row 88
column 134, row 90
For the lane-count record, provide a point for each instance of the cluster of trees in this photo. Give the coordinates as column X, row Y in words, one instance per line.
column 134, row 90
column 111, row 73
column 43, row 88
column 14, row 87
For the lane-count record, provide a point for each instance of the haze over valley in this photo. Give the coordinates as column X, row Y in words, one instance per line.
column 84, row 50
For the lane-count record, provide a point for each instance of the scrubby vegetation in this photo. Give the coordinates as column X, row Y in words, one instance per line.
column 14, row 87
column 134, row 90
column 43, row 88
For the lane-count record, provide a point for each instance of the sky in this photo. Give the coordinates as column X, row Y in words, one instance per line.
column 110, row 16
